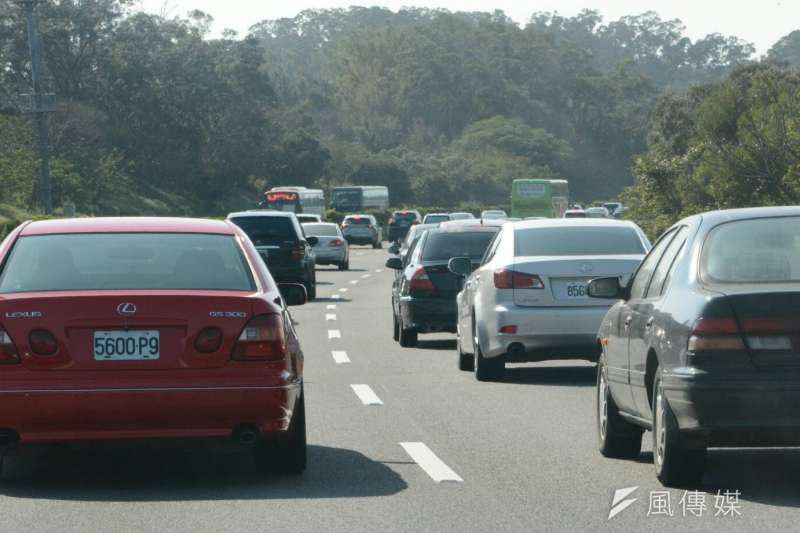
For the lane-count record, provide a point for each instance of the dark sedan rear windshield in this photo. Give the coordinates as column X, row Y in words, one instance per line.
column 405, row 216
column 360, row 220
column 320, row 230
column 110, row 261
column 765, row 250
column 577, row 240
column 267, row 231
column 443, row 246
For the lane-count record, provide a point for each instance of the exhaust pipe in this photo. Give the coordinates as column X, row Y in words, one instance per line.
column 245, row 435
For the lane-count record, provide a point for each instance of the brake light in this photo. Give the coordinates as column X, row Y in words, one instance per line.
column 420, row 282
column 42, row 342
column 8, row 350
column 335, row 243
column 510, row 330
column 298, row 253
column 505, row 278
column 262, row 339
column 715, row 334
column 208, row 340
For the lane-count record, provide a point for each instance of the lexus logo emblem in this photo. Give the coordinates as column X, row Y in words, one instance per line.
column 126, row 309
column 586, row 267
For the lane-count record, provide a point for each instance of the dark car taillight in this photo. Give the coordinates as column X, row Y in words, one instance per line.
column 42, row 342
column 8, row 350
column 298, row 253
column 505, row 278
column 336, row 243
column 420, row 284
column 208, row 340
column 262, row 339
column 715, row 335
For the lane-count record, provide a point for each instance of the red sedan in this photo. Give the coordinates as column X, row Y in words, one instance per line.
column 147, row 328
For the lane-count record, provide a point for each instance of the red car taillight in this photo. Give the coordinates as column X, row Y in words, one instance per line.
column 335, row 243
column 715, row 334
column 42, row 342
column 208, row 340
column 508, row 279
column 8, row 350
column 298, row 253
column 262, row 339
column 420, row 283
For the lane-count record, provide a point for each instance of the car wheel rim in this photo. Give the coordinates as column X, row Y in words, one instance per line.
column 661, row 427
column 602, row 405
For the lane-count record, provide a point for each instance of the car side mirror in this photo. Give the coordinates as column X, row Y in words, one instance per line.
column 395, row 263
column 460, row 266
column 394, row 249
column 293, row 293
column 311, row 240
column 606, row 288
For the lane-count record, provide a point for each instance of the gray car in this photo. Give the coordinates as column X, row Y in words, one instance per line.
column 362, row 229
column 331, row 247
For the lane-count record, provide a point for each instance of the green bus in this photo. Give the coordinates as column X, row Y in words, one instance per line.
column 539, row 198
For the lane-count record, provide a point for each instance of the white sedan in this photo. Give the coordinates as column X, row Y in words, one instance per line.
column 528, row 299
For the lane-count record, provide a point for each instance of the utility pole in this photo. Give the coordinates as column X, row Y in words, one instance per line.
column 39, row 109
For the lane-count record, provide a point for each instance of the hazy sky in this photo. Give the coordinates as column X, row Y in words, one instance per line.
column 761, row 22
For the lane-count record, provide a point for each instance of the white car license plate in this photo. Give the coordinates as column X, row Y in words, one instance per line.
column 571, row 289
column 127, row 345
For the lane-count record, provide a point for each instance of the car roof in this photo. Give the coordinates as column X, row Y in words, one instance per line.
column 573, row 222
column 465, row 229
column 438, row 215
column 474, row 222
column 261, row 213
column 357, row 215
column 129, row 225
column 321, row 224
column 729, row 215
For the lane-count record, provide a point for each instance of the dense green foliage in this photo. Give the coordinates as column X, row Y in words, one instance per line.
column 156, row 116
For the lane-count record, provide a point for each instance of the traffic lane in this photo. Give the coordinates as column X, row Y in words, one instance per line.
column 531, row 438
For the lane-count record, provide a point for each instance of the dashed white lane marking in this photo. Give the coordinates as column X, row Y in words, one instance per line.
column 379, row 270
column 330, row 316
column 359, row 253
column 353, row 282
column 330, row 307
column 334, row 334
column 429, row 462
column 336, row 296
column 343, row 289
column 340, row 357
column 366, row 395
column 365, row 276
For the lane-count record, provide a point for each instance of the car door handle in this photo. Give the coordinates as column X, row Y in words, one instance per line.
column 628, row 322
column 649, row 323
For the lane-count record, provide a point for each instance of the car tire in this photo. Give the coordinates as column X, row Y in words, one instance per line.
column 395, row 328
column 675, row 466
column 408, row 337
column 344, row 265
column 287, row 454
column 465, row 361
column 616, row 436
column 487, row 369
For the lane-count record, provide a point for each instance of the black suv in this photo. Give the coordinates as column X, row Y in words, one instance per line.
column 400, row 222
column 283, row 246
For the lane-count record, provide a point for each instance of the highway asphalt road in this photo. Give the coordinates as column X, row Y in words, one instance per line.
column 384, row 424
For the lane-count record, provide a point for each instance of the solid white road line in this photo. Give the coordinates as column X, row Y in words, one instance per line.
column 366, row 395
column 343, row 289
column 334, row 334
column 330, row 307
column 429, row 462
column 330, row 316
column 353, row 282
column 340, row 357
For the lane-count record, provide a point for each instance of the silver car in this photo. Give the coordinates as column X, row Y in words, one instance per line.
column 331, row 247
column 528, row 299
column 362, row 229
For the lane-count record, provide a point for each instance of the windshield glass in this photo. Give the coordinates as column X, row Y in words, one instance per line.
column 765, row 250
column 435, row 219
column 321, row 230
column 444, row 245
column 112, row 261
column 577, row 241
column 268, row 230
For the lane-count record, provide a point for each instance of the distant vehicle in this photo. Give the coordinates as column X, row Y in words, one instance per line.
column 283, row 246
column 710, row 320
column 597, row 212
column 435, row 218
column 303, row 219
column 294, row 200
column 461, row 215
column 414, row 233
column 493, row 214
column 149, row 328
column 401, row 221
column 539, row 197
column 496, row 222
column 362, row 229
column 612, row 207
column 332, row 247
column 577, row 206
column 528, row 300
column 575, row 213
column 353, row 199
column 424, row 294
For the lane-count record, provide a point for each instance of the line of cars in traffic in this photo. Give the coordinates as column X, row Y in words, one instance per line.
column 696, row 339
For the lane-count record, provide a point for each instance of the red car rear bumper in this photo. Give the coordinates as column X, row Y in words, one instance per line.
column 49, row 416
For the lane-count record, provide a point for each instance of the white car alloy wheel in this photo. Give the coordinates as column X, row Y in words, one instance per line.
column 602, row 405
column 660, row 429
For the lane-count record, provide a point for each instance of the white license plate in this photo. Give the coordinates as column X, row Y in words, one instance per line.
column 130, row 345
column 571, row 289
